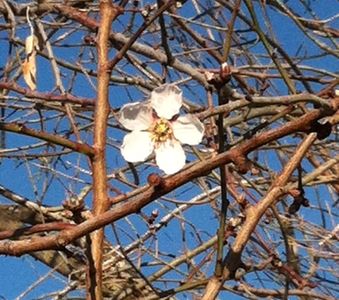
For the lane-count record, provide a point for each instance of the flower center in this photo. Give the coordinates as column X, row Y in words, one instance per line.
column 161, row 131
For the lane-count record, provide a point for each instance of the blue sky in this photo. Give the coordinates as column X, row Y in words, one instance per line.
column 17, row 274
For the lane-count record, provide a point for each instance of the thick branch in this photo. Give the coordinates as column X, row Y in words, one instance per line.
column 128, row 205
column 65, row 98
column 253, row 216
column 51, row 138
column 100, row 198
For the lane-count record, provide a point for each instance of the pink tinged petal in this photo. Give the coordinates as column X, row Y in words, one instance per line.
column 136, row 116
column 170, row 156
column 166, row 100
column 137, row 146
column 188, row 130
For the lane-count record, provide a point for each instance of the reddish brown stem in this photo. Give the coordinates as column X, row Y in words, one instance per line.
column 51, row 138
column 133, row 204
column 53, row 226
column 108, row 13
column 64, row 98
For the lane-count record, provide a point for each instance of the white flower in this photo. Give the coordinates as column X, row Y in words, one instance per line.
column 156, row 126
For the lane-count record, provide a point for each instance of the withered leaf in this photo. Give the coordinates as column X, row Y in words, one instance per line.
column 29, row 65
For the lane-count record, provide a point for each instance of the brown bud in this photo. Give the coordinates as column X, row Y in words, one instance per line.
column 90, row 40
column 154, row 179
column 225, row 72
column 294, row 192
column 155, row 213
column 299, row 200
column 242, row 164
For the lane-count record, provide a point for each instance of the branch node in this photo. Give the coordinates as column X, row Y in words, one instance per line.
column 243, row 165
column 299, row 200
column 220, row 79
column 154, row 180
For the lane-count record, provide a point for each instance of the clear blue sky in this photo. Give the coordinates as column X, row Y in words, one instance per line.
column 17, row 274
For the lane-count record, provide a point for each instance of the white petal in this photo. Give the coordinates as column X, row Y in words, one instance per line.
column 170, row 156
column 137, row 146
column 188, row 130
column 136, row 116
column 166, row 100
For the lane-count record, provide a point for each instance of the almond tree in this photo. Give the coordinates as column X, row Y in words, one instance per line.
column 170, row 149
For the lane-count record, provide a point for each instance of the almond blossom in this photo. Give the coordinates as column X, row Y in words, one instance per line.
column 157, row 127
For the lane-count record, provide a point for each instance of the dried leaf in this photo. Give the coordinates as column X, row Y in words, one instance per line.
column 29, row 72
column 29, row 65
column 31, row 44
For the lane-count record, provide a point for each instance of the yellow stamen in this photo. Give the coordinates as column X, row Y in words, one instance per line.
column 161, row 131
